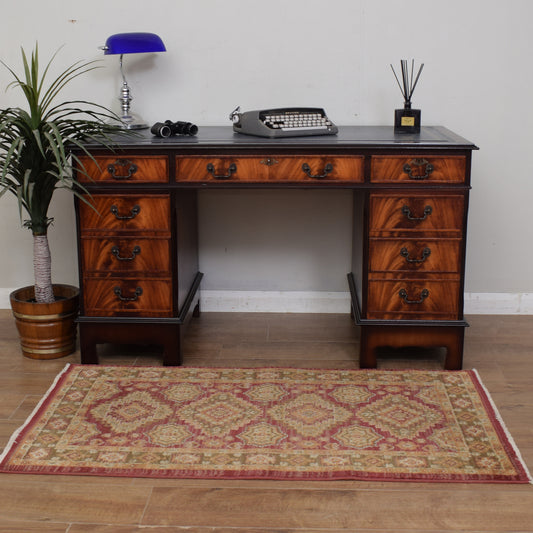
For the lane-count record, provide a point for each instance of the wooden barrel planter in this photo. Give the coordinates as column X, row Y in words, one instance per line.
column 47, row 331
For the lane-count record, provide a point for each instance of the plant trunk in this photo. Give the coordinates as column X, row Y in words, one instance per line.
column 42, row 268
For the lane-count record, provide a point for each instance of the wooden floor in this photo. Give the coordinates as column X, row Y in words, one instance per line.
column 501, row 348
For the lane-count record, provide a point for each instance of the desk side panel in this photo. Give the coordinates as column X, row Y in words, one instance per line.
column 186, row 252
column 358, row 244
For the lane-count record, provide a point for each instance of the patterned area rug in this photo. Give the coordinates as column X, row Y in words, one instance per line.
column 271, row 423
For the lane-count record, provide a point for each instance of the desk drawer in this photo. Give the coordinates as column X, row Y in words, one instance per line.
column 418, row 168
column 413, row 299
column 270, row 169
column 401, row 213
column 127, row 213
column 410, row 255
column 114, row 256
column 128, row 297
column 113, row 169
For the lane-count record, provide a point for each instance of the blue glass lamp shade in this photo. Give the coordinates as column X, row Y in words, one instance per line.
column 133, row 43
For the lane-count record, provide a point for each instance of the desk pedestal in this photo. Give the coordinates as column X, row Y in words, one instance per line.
column 449, row 337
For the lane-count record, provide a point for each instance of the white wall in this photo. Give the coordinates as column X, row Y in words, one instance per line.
column 477, row 81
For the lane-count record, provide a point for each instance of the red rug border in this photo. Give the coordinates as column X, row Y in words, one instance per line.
column 501, row 430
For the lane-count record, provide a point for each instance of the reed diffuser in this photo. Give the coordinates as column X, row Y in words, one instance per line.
column 407, row 120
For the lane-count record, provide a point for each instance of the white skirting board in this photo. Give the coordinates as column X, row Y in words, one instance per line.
column 275, row 302
column 339, row 302
column 331, row 302
column 498, row 303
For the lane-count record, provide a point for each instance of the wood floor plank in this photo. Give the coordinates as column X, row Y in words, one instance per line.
column 29, row 527
column 84, row 501
column 341, row 509
column 9, row 403
column 83, row 528
column 287, row 350
column 7, row 526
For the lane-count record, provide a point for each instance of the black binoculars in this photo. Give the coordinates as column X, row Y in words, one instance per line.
column 168, row 128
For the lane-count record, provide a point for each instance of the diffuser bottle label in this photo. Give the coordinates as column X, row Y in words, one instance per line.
column 408, row 121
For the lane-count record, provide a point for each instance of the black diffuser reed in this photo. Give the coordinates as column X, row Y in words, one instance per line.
column 407, row 120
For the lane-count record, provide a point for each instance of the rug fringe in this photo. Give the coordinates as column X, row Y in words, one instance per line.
column 13, row 440
column 503, row 426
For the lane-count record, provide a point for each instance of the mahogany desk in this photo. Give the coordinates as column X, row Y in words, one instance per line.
column 138, row 252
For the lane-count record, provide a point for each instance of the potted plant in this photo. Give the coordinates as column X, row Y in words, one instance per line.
column 36, row 159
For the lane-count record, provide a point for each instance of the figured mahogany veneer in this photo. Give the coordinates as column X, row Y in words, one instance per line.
column 126, row 213
column 401, row 214
column 419, row 167
column 115, row 169
column 126, row 235
column 274, row 168
column 413, row 299
column 405, row 256
column 431, row 288
column 138, row 246
column 117, row 256
column 139, row 297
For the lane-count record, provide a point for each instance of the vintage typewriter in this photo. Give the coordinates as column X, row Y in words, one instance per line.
column 283, row 122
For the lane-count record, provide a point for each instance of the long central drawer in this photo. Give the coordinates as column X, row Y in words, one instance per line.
column 305, row 168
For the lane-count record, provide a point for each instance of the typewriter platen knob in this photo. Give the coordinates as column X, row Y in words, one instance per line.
column 235, row 115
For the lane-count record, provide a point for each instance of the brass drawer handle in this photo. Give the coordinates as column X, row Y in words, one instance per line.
column 426, row 252
column 231, row 169
column 134, row 298
column 403, row 295
column 112, row 168
column 418, row 163
column 116, row 252
column 134, row 211
column 407, row 212
column 327, row 169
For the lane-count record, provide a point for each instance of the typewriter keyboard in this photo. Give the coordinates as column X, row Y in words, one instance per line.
column 297, row 120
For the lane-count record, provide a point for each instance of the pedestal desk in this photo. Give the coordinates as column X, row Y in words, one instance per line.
column 138, row 250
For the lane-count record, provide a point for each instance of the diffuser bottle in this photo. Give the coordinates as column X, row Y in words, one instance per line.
column 407, row 120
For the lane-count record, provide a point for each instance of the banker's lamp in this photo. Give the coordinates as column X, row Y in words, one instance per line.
column 131, row 43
